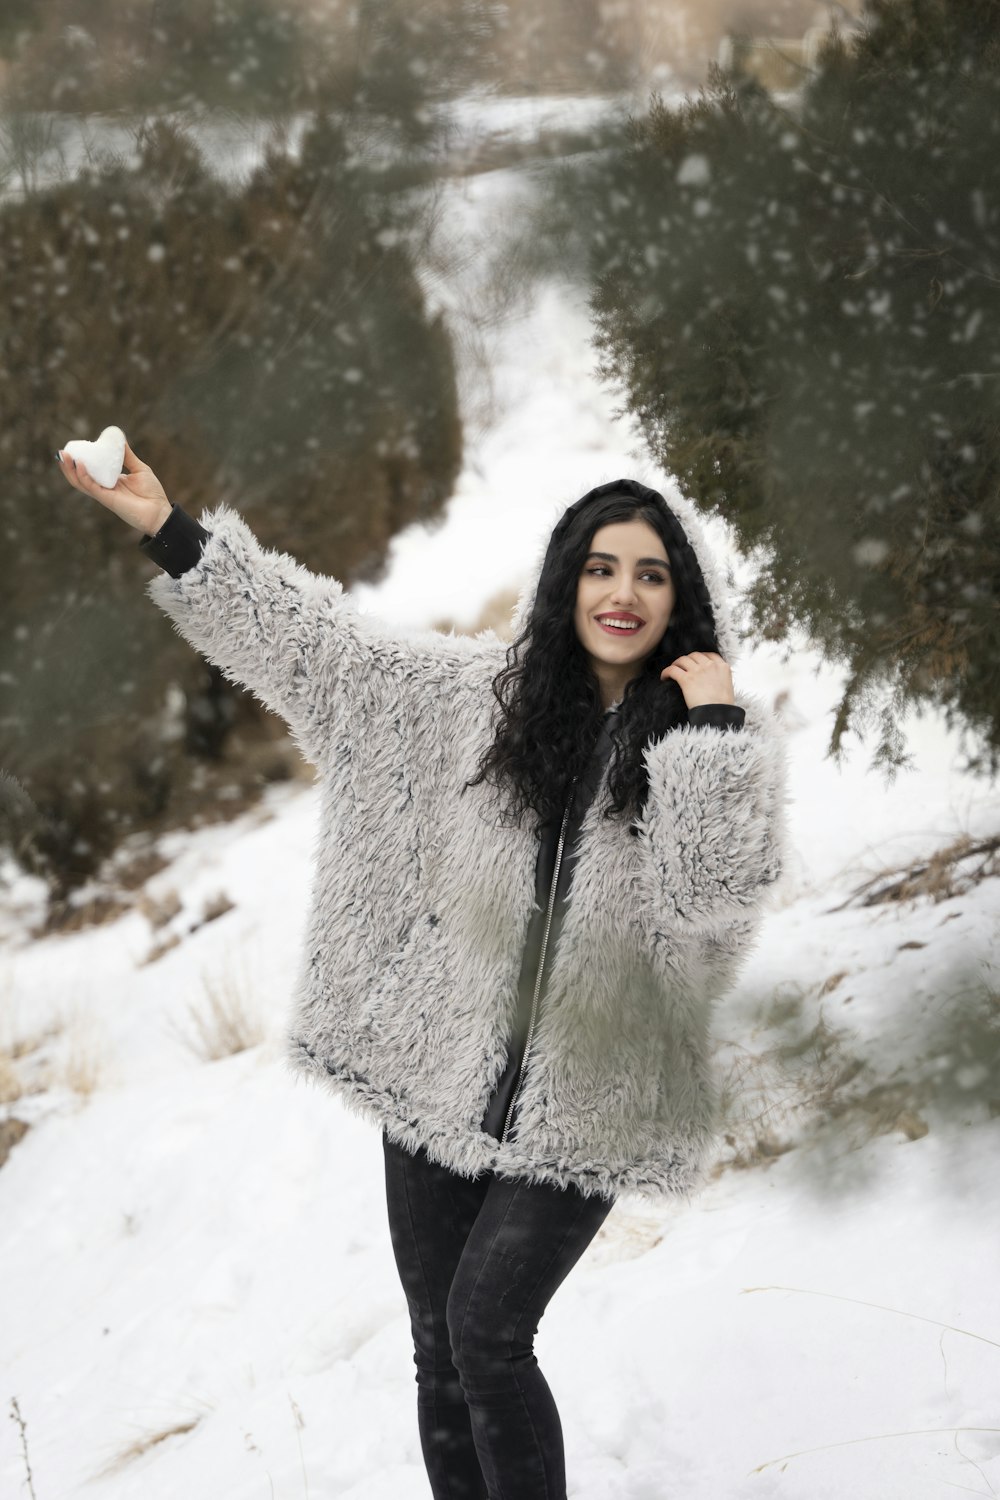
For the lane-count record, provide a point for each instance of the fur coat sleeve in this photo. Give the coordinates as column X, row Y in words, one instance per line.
column 293, row 637
column 714, row 825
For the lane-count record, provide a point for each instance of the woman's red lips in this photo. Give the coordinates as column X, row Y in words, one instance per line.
column 611, row 630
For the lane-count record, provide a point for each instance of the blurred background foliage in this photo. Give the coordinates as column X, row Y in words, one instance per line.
column 265, row 342
column 800, row 300
column 383, row 60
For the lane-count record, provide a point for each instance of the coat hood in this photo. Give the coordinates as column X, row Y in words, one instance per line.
column 690, row 522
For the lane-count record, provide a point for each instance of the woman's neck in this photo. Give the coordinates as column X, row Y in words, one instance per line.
column 611, row 683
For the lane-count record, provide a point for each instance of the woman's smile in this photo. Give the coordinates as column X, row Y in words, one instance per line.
column 620, row 624
column 625, row 594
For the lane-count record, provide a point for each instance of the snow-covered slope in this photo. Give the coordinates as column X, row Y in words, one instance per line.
column 824, row 1320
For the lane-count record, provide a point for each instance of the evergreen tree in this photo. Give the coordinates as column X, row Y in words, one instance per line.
column 801, row 302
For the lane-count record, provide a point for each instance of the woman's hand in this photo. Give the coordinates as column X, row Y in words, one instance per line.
column 702, row 676
column 137, row 497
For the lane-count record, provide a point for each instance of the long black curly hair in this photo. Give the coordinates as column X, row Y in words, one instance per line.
column 549, row 698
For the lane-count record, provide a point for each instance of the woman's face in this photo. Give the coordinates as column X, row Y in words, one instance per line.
column 625, row 575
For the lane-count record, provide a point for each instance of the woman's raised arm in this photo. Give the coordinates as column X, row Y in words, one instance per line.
column 294, row 638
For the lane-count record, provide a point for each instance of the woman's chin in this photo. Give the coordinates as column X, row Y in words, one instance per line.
column 614, row 655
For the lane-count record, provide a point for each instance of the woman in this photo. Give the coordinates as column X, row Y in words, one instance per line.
column 530, row 1052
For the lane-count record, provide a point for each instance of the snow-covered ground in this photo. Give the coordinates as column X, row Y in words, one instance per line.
column 197, row 1290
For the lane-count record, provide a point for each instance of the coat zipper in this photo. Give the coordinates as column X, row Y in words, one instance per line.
column 541, row 964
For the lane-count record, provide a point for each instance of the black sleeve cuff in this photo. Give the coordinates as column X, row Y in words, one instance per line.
column 178, row 544
column 717, row 715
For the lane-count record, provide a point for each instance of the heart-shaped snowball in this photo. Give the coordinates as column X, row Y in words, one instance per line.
column 104, row 458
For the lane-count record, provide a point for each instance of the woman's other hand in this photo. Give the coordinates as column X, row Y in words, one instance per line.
column 702, row 676
column 138, row 497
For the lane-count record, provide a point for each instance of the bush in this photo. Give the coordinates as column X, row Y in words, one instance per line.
column 268, row 345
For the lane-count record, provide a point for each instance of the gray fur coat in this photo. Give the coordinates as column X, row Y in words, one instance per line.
column 407, row 982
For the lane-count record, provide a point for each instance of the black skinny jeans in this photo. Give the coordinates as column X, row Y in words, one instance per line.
column 479, row 1262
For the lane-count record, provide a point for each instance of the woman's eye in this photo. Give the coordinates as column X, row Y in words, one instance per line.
column 656, row 577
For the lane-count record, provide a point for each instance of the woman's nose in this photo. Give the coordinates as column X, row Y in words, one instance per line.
column 624, row 595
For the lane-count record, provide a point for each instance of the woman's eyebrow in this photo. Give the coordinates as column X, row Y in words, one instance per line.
column 644, row 562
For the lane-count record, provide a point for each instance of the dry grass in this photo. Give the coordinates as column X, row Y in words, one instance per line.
column 11, row 1132
column 160, row 912
column 69, row 1051
column 808, row 1081
column 10, row 1082
column 14, row 1046
column 226, row 1022
column 25, row 1064
column 159, row 949
column 810, row 1086
column 81, row 1068
column 15, row 1414
column 949, row 871
column 628, row 1232
column 216, row 906
column 65, row 916
column 143, row 1444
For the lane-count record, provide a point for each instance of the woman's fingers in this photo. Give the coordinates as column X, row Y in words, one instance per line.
column 132, row 463
column 69, row 469
column 83, row 479
column 695, row 658
column 109, row 496
column 90, row 486
column 692, row 662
